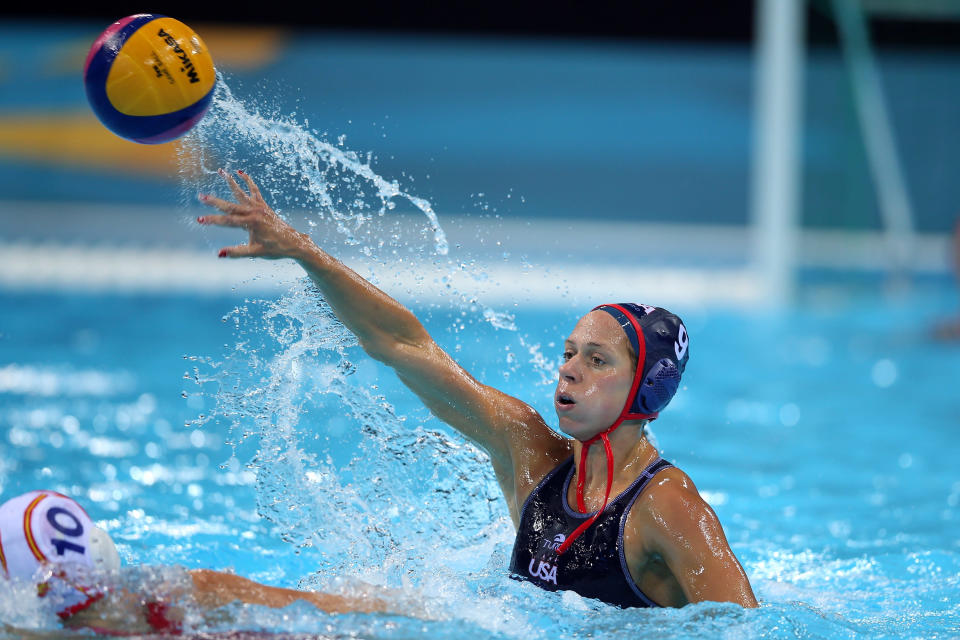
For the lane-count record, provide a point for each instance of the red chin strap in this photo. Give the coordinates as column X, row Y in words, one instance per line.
column 604, row 435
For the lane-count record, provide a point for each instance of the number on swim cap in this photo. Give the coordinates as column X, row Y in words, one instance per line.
column 680, row 346
column 74, row 531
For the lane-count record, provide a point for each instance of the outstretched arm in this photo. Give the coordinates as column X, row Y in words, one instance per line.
column 214, row 589
column 133, row 613
column 390, row 333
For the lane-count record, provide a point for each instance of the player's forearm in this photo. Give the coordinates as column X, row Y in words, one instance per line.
column 128, row 613
column 379, row 322
column 215, row 589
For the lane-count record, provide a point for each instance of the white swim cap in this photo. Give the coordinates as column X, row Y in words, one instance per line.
column 44, row 529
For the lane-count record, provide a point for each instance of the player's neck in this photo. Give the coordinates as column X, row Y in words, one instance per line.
column 631, row 453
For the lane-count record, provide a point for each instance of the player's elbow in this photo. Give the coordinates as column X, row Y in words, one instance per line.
column 379, row 350
column 740, row 594
column 731, row 586
column 399, row 353
column 747, row 601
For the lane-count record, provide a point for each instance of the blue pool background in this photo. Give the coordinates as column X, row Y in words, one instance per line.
column 824, row 439
column 824, row 434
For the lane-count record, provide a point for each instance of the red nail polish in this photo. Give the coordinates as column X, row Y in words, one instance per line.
column 221, row 172
column 203, row 197
column 240, row 171
column 200, row 219
column 222, row 254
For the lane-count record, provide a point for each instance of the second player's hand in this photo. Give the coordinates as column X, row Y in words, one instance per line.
column 270, row 236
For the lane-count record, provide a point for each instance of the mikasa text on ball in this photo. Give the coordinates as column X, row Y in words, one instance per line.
column 149, row 78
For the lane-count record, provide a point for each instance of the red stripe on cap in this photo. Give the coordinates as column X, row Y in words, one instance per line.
column 28, row 529
column 637, row 374
column 3, row 558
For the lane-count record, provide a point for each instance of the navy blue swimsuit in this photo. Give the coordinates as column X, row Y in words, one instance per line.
column 594, row 566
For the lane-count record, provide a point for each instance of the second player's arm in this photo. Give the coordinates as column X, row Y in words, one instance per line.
column 124, row 612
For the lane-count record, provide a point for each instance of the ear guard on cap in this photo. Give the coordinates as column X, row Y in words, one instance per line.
column 661, row 343
column 657, row 388
column 102, row 551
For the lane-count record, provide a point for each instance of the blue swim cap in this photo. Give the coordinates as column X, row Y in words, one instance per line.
column 662, row 347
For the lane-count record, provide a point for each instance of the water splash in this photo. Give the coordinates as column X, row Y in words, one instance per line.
column 293, row 358
column 336, row 183
column 327, row 184
column 499, row 319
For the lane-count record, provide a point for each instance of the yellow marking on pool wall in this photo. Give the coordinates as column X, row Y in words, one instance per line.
column 243, row 48
column 78, row 140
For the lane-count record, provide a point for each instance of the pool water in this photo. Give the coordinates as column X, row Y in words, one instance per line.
column 255, row 436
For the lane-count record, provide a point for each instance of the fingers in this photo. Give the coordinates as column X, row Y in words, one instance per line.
column 238, row 193
column 234, row 187
column 238, row 251
column 222, row 221
column 254, row 189
column 224, row 205
column 243, row 213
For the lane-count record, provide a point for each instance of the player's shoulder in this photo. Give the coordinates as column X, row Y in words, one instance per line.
column 671, row 498
column 529, row 433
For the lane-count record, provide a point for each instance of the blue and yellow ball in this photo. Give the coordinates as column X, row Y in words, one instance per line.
column 149, row 78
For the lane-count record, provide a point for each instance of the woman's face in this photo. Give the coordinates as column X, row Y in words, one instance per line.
column 595, row 376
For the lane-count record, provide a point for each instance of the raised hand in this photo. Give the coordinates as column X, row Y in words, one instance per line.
column 270, row 236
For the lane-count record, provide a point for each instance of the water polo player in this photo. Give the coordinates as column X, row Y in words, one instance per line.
column 48, row 534
column 600, row 514
column 47, row 540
